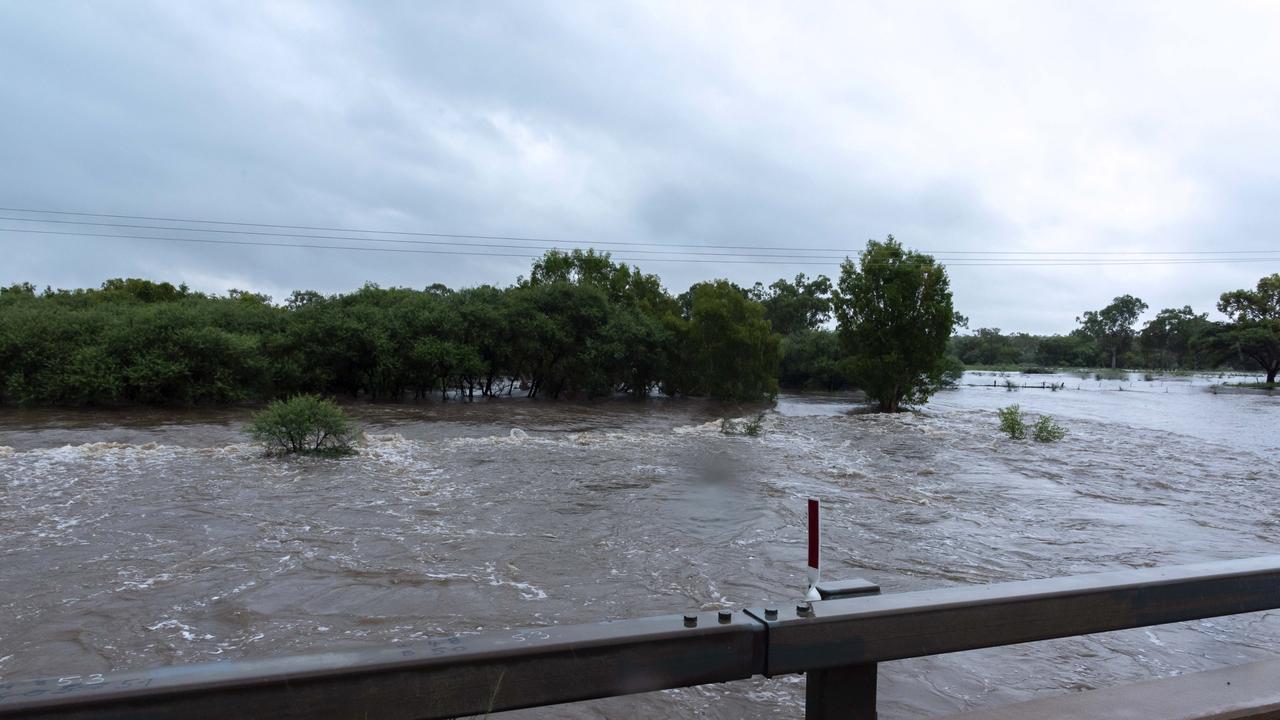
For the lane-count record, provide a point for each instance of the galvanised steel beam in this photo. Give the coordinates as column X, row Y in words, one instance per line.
column 447, row 677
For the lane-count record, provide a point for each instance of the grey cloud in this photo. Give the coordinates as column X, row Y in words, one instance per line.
column 637, row 123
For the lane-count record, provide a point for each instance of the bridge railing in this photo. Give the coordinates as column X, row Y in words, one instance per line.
column 837, row 642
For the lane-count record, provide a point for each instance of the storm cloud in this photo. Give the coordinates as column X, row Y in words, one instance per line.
column 959, row 128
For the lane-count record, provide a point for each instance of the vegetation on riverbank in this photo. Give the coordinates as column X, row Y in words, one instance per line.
column 1254, row 385
column 580, row 325
column 1176, row 339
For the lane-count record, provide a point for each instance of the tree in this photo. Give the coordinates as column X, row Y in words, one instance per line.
column 792, row 307
column 732, row 353
column 986, row 346
column 1074, row 350
column 1254, row 330
column 1169, row 337
column 895, row 318
column 811, row 361
column 1112, row 326
column 558, row 328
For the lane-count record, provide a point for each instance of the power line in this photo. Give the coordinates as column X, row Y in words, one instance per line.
column 512, row 238
column 517, row 238
column 210, row 241
column 959, row 262
column 379, row 240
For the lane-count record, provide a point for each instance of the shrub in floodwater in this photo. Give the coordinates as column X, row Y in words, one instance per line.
column 1010, row 385
column 1046, row 430
column 752, row 427
column 1011, row 422
column 306, row 424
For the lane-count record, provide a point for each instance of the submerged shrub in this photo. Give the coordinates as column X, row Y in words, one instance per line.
column 306, row 424
column 1011, row 422
column 752, row 428
column 1046, row 430
column 1010, row 385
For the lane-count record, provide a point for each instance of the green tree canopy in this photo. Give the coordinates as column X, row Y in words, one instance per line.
column 1112, row 326
column 895, row 318
column 730, row 349
column 1254, row 330
column 794, row 306
column 1169, row 337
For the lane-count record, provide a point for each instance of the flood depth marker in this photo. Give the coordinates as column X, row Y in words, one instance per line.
column 814, row 571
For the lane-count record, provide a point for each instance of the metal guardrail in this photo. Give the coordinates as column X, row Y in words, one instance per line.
column 836, row 641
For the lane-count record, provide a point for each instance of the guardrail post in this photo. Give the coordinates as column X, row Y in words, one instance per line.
column 847, row 692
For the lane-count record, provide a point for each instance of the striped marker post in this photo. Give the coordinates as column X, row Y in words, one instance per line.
column 814, row 571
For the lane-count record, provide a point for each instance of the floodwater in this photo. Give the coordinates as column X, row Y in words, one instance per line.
column 139, row 538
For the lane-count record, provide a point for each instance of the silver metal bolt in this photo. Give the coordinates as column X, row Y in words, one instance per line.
column 802, row 610
column 725, row 615
column 690, row 620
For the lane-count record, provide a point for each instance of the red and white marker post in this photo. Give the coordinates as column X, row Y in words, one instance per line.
column 814, row 571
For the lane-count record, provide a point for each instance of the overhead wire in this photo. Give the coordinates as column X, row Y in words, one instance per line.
column 545, row 241
column 772, row 259
column 542, row 248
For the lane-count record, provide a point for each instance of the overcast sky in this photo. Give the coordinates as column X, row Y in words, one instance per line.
column 957, row 127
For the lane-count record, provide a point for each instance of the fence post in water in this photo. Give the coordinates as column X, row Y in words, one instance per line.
column 847, row 692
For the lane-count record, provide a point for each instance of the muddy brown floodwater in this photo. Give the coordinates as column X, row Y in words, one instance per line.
column 140, row 538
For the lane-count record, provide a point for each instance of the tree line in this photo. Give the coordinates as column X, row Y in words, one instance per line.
column 580, row 325
column 1175, row 339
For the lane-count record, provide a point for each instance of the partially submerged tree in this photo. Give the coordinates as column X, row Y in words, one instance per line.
column 730, row 352
column 895, row 318
column 1254, row 330
column 797, row 310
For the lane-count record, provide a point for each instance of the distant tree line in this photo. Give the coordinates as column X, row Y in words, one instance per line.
column 1175, row 339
